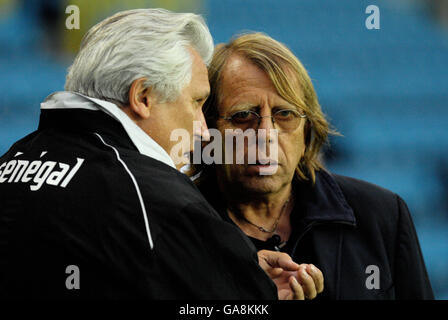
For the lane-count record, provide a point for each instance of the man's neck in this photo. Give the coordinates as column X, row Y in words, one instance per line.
column 269, row 211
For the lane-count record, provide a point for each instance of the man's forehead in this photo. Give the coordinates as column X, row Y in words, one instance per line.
column 234, row 63
column 233, row 72
column 239, row 74
column 240, row 70
column 199, row 81
column 242, row 80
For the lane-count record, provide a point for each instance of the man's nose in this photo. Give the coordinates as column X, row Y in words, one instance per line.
column 202, row 129
column 265, row 122
column 266, row 125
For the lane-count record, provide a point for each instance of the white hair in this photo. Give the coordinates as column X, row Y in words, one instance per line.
column 141, row 43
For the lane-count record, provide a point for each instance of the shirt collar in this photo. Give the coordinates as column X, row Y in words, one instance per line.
column 324, row 200
column 142, row 141
column 319, row 202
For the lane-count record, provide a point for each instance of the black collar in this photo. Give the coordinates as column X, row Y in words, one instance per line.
column 86, row 121
column 322, row 201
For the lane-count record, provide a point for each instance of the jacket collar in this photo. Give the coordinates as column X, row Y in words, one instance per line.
column 65, row 100
column 323, row 201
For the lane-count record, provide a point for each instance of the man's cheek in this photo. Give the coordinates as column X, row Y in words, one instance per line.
column 233, row 171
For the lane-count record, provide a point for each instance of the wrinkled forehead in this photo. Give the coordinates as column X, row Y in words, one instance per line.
column 242, row 77
column 239, row 72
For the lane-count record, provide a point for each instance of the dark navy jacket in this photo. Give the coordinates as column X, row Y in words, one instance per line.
column 352, row 231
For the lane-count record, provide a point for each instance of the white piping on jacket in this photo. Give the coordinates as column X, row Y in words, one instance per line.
column 137, row 188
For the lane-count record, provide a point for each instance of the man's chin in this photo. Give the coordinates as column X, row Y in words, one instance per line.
column 259, row 184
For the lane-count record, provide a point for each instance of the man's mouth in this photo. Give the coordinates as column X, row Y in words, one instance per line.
column 264, row 162
column 262, row 168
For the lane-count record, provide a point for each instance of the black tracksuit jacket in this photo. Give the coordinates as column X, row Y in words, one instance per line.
column 67, row 198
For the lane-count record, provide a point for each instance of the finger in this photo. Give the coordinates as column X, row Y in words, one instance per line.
column 285, row 294
column 296, row 288
column 271, row 271
column 278, row 260
column 274, row 273
column 317, row 276
column 307, row 283
column 285, row 262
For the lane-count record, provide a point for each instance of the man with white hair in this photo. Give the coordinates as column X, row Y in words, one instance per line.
column 93, row 206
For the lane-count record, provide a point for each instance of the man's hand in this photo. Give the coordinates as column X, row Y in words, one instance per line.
column 293, row 281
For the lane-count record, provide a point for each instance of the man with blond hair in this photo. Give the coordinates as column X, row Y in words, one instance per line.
column 360, row 235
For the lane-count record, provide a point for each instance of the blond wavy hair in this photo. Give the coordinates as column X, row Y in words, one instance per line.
column 287, row 74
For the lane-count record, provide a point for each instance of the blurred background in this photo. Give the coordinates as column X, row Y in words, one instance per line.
column 385, row 90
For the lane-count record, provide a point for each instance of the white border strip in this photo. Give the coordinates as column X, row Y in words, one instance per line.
column 151, row 244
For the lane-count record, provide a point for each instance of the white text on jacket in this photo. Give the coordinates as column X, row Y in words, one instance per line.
column 37, row 172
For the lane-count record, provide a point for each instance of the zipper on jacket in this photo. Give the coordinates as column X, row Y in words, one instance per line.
column 317, row 223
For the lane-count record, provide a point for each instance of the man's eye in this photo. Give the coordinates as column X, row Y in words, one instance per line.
column 285, row 114
column 242, row 116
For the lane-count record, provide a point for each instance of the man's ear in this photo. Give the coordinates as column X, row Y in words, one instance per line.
column 139, row 99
